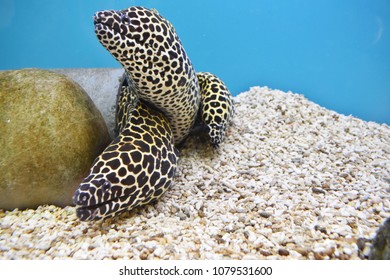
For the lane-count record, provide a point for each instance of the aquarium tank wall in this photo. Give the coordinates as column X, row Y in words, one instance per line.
column 336, row 53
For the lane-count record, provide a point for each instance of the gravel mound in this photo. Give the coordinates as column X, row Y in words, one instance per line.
column 292, row 180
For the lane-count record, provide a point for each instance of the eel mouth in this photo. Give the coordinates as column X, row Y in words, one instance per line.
column 105, row 209
column 98, row 211
column 86, row 211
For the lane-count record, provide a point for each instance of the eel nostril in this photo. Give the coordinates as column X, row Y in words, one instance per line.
column 99, row 15
column 80, row 199
column 125, row 19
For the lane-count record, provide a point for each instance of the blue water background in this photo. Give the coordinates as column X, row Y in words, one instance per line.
column 335, row 52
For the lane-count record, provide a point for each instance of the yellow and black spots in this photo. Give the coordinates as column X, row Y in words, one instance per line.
column 127, row 102
column 135, row 169
column 217, row 107
column 147, row 46
column 157, row 105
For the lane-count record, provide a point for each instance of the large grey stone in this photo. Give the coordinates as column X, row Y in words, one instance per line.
column 50, row 133
column 101, row 84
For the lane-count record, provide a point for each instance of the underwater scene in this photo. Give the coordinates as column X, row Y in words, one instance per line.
column 194, row 130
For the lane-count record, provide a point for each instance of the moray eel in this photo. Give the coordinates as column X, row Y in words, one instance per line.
column 160, row 99
column 216, row 110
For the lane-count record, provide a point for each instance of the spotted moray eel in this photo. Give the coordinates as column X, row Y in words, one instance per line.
column 160, row 99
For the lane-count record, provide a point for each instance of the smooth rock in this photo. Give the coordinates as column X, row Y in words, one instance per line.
column 101, row 84
column 50, row 133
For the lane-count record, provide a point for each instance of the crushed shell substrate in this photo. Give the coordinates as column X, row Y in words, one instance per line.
column 292, row 180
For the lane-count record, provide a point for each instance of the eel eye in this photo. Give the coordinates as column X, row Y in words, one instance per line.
column 106, row 186
column 125, row 19
column 216, row 126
